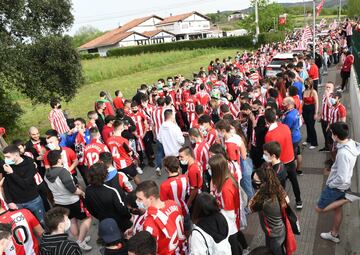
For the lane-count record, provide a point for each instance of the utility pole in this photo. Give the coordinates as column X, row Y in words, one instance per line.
column 257, row 20
column 314, row 27
column 339, row 10
column 304, row 13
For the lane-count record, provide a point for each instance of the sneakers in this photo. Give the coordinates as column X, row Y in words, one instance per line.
column 139, row 171
column 299, row 172
column 299, row 205
column 87, row 239
column 304, row 143
column 158, row 171
column 151, row 164
column 83, row 245
column 329, row 236
column 352, row 196
column 312, row 147
column 324, row 149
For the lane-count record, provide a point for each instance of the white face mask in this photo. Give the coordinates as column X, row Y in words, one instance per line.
column 67, row 225
column 266, row 158
column 140, row 205
column 51, row 146
column 184, row 162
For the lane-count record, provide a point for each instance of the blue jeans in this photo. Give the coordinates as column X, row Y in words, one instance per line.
column 160, row 154
column 36, row 206
column 247, row 169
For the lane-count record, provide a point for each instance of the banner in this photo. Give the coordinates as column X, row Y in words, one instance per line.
column 282, row 19
column 319, row 7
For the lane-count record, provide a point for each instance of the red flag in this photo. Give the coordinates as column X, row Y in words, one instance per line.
column 282, row 20
column 319, row 7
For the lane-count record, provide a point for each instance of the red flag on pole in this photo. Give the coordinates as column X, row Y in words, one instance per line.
column 319, row 7
column 282, row 20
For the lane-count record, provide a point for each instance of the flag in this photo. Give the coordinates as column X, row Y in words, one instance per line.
column 282, row 19
column 307, row 34
column 334, row 25
column 322, row 23
column 319, row 7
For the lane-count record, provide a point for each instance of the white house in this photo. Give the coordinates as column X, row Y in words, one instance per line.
column 152, row 30
column 237, row 15
column 160, row 36
column 186, row 26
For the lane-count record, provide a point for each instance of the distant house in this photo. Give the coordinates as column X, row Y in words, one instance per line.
column 152, row 30
column 237, row 15
column 186, row 26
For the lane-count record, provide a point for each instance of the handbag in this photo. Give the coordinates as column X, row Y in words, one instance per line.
column 293, row 219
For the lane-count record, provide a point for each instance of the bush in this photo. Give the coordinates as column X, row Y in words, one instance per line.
column 89, row 56
column 225, row 42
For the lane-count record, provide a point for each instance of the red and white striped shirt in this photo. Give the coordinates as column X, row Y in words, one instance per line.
column 147, row 111
column 139, row 119
column 189, row 108
column 157, row 119
column 325, row 109
column 138, row 222
column 201, row 153
column 211, row 136
column 24, row 241
column 92, row 152
column 68, row 157
column 176, row 188
column 118, row 147
column 58, row 121
column 337, row 112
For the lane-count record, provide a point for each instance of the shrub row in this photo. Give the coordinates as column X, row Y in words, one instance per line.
column 84, row 56
column 225, row 42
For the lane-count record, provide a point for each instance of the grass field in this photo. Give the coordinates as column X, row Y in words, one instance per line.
column 126, row 74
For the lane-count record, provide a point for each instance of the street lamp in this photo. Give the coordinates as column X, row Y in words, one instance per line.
column 257, row 19
column 314, row 28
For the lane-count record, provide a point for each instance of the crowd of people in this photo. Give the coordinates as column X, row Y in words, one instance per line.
column 228, row 141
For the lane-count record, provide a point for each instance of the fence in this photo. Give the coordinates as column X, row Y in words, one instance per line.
column 356, row 52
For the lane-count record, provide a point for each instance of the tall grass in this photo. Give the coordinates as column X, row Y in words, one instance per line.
column 106, row 68
column 181, row 62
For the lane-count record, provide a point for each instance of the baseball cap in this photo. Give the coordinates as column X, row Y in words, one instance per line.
column 109, row 231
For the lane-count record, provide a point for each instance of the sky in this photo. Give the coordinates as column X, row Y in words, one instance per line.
column 109, row 14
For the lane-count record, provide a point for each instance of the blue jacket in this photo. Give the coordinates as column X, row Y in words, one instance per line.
column 292, row 120
column 300, row 88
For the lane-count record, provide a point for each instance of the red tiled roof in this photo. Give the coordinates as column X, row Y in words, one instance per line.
column 115, row 35
column 180, row 17
column 155, row 32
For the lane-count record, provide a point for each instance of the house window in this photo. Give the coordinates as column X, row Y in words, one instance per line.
column 95, row 50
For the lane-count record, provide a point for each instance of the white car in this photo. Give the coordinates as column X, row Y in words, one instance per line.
column 274, row 67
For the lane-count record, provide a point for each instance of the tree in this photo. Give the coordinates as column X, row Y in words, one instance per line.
column 268, row 14
column 85, row 34
column 36, row 59
column 353, row 8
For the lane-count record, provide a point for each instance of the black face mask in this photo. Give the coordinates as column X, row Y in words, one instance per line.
column 255, row 185
column 135, row 111
column 255, row 112
column 59, row 106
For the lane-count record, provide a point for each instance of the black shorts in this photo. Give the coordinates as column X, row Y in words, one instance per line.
column 75, row 210
column 129, row 171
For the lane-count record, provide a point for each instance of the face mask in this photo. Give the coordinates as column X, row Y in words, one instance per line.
column 67, row 225
column 332, row 101
column 144, row 104
column 192, row 141
column 9, row 161
column 184, row 162
column 59, row 106
column 170, row 83
column 255, row 185
column 140, row 205
column 266, row 158
column 75, row 129
column 135, row 111
column 203, row 131
column 51, row 146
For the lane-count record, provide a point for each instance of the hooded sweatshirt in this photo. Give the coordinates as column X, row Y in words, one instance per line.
column 62, row 186
column 210, row 236
column 20, row 186
column 171, row 137
column 342, row 169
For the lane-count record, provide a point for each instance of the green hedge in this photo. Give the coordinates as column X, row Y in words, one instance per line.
column 89, row 56
column 225, row 42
